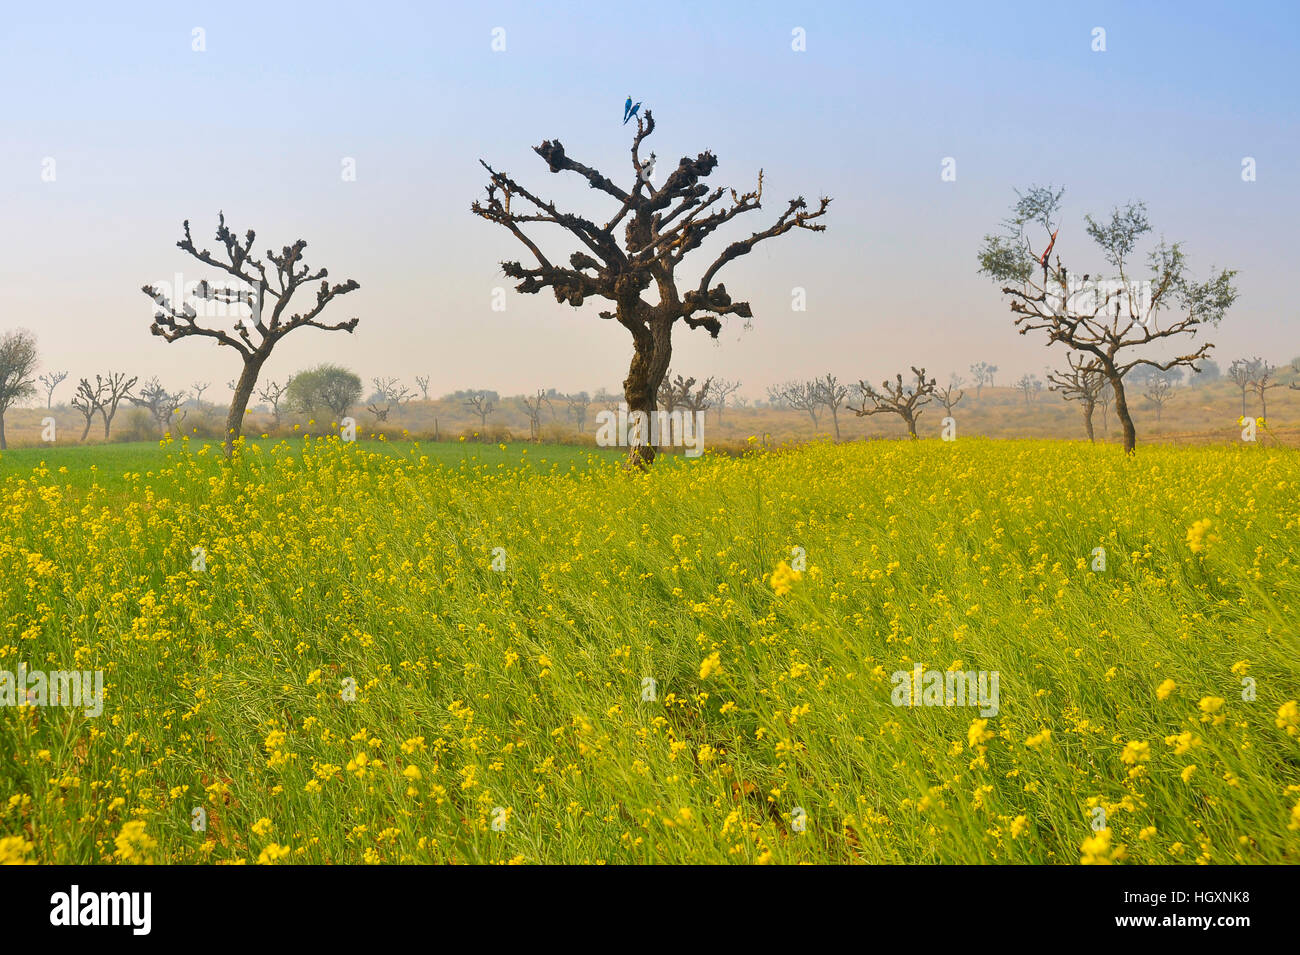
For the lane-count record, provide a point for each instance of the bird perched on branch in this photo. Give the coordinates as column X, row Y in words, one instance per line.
column 629, row 110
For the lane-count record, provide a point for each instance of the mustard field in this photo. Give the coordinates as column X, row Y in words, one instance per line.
column 882, row 652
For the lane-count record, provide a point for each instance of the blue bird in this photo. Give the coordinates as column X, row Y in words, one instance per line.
column 627, row 109
column 631, row 112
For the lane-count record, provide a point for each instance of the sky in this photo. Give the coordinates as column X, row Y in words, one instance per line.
column 116, row 128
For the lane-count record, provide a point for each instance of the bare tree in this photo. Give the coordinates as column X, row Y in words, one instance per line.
column 393, row 393
column 611, row 401
column 832, row 395
column 88, row 401
column 576, row 408
column 391, row 389
column 906, row 401
column 533, row 408
column 724, row 388
column 480, row 402
column 799, row 395
column 1158, row 391
column 670, row 394
column 177, row 318
column 273, row 393
column 701, row 399
column 1242, row 374
column 1262, row 382
column 49, row 383
column 950, row 395
column 18, row 360
column 199, row 387
column 662, row 226
column 1104, row 398
column 117, row 386
column 983, row 373
column 422, row 382
column 161, row 404
column 677, row 391
column 1082, row 383
column 381, row 414
column 1107, row 323
column 1029, row 386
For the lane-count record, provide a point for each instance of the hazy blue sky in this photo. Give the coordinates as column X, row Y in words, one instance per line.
column 146, row 132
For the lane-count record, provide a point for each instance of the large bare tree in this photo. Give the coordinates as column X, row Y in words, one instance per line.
column 18, row 360
column 176, row 317
column 638, row 274
column 906, row 401
column 1107, row 320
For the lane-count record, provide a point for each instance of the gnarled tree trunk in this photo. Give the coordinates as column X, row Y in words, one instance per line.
column 239, row 403
column 651, row 355
column 911, row 424
column 1121, row 408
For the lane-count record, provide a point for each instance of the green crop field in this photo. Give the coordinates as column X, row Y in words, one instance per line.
column 366, row 653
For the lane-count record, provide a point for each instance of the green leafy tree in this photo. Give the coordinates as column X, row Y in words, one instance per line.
column 1111, row 319
column 18, row 362
column 325, row 387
